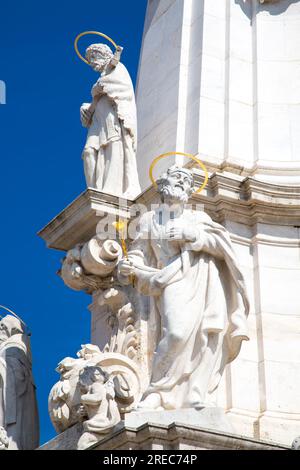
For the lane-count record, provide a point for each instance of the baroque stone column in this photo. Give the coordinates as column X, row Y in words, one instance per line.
column 220, row 79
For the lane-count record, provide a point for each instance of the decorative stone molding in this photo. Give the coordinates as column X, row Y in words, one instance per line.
column 161, row 437
column 237, row 198
column 78, row 221
column 268, row 1
column 125, row 336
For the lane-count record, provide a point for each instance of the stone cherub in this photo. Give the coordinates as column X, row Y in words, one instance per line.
column 110, row 151
column 186, row 263
column 97, row 404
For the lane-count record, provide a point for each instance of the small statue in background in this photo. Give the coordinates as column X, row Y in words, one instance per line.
column 97, row 404
column 18, row 405
column 109, row 154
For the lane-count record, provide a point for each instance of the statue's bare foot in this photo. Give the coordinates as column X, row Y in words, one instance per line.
column 152, row 402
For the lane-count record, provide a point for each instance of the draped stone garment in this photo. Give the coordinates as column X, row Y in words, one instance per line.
column 201, row 304
column 18, row 406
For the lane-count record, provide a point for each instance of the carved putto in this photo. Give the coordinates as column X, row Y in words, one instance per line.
column 93, row 370
column 98, row 404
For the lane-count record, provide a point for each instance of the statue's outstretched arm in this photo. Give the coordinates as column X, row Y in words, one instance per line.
column 117, row 56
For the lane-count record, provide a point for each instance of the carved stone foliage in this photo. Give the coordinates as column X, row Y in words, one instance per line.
column 66, row 399
column 123, row 323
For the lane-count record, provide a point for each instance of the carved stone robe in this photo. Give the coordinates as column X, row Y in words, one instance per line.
column 113, row 133
column 18, row 406
column 201, row 307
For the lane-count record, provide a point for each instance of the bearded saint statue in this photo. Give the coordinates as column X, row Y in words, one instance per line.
column 109, row 154
column 186, row 263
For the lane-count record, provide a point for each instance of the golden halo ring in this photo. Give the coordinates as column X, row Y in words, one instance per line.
column 90, row 32
column 189, row 155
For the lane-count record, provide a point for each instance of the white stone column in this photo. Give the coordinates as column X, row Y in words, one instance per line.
column 221, row 78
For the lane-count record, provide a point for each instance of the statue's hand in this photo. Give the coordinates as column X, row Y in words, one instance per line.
column 126, row 268
column 180, row 233
column 85, row 115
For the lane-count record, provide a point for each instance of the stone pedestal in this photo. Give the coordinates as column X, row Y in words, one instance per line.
column 158, row 436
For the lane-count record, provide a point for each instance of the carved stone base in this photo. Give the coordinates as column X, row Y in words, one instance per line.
column 161, row 437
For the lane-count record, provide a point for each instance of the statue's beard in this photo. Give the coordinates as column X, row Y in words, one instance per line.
column 174, row 195
column 100, row 65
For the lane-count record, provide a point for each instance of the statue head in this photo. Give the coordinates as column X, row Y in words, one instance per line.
column 90, row 375
column 9, row 326
column 98, row 56
column 176, row 185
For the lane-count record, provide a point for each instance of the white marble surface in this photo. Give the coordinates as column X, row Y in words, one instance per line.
column 226, row 85
column 207, row 418
column 109, row 154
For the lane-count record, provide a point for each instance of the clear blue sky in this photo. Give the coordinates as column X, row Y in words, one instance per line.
column 41, row 139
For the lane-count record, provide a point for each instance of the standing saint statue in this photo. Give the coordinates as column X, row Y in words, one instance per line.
column 110, row 151
column 185, row 261
column 18, row 405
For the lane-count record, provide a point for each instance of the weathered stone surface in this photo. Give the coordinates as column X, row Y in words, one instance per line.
column 207, row 418
column 162, row 437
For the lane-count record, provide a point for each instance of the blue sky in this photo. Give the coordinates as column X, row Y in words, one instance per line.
column 41, row 139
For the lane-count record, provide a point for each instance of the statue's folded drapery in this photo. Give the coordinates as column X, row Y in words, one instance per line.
column 113, row 133
column 201, row 304
column 18, row 406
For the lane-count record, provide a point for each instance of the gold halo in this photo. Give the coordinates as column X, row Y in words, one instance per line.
column 90, row 32
column 189, row 155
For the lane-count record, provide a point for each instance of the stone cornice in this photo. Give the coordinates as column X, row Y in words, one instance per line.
column 244, row 168
column 231, row 198
column 173, row 436
column 250, row 201
column 245, row 200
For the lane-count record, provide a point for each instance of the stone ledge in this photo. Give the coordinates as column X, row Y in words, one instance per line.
column 244, row 200
column 77, row 222
column 150, row 436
